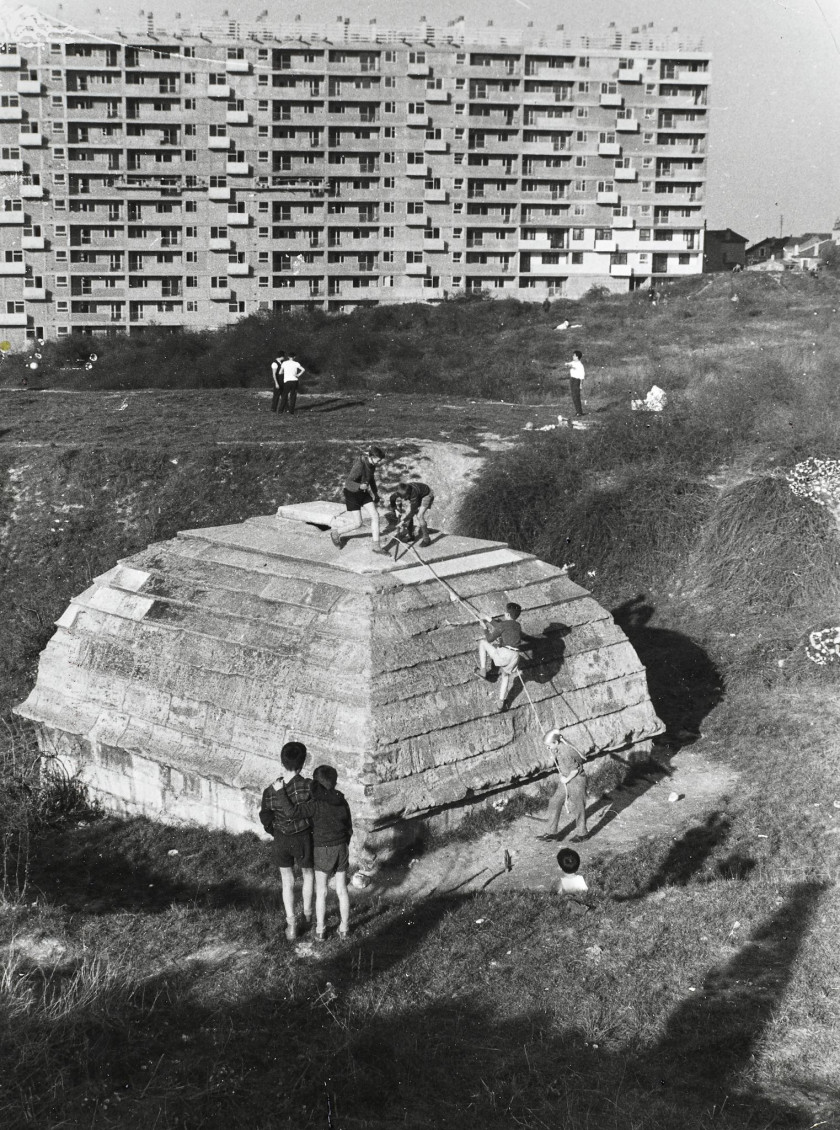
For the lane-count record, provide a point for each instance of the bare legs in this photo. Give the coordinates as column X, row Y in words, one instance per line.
column 321, row 883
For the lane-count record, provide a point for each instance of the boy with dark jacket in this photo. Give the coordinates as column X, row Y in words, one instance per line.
column 292, row 831
column 332, row 827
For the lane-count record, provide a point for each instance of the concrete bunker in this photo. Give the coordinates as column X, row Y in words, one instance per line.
column 172, row 682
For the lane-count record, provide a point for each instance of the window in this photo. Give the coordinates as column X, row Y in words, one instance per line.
column 387, row 233
column 647, row 138
column 14, row 307
column 189, row 103
column 416, row 107
column 389, row 81
column 387, row 256
column 262, row 233
column 415, row 158
column 218, row 282
column 388, row 158
column 388, row 182
column 646, row 185
column 414, row 208
column 583, row 111
column 191, row 233
column 417, row 57
column 389, row 108
column 191, row 257
column 577, row 257
column 388, row 207
column 644, row 234
column 603, row 233
column 410, row 257
column 191, row 281
column 460, row 108
column 684, row 260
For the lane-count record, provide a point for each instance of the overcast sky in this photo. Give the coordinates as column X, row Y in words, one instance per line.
column 775, row 94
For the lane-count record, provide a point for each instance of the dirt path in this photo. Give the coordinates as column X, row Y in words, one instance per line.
column 638, row 810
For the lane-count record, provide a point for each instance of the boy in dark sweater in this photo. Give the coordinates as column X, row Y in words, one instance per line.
column 332, row 827
column 292, row 831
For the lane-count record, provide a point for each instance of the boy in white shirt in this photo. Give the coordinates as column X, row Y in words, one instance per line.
column 290, row 372
column 576, row 375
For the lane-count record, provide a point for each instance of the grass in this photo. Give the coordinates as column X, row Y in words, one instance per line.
column 697, row 986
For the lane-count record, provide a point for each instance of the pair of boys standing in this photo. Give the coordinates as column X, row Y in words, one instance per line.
column 311, row 824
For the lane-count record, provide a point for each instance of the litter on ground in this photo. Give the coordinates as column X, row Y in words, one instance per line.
column 655, row 401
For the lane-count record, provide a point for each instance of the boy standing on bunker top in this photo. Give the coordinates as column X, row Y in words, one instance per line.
column 571, row 789
column 292, row 834
column 290, row 373
column 276, row 379
column 332, row 827
column 410, row 501
column 502, row 647
column 576, row 377
column 361, row 495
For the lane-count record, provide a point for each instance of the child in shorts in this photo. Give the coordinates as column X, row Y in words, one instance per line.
column 332, row 827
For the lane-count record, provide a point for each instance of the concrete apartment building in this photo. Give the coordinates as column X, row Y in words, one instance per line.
column 191, row 176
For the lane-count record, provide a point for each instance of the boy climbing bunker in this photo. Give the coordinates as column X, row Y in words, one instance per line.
column 173, row 681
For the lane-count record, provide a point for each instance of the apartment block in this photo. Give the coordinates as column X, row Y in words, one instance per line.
column 192, row 176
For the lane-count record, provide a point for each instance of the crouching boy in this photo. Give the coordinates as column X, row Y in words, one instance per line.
column 332, row 827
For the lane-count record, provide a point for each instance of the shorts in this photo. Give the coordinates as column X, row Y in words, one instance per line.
column 507, row 659
column 332, row 857
column 356, row 499
column 294, row 849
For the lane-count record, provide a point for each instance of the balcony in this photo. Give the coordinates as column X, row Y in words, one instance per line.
column 219, row 142
column 626, row 174
column 237, row 118
column 18, row 216
column 681, row 102
column 421, row 120
column 32, row 242
column 418, row 70
column 238, row 67
column 238, row 220
column 623, row 223
column 34, row 293
column 417, row 171
column 437, row 95
column 416, row 270
column 540, row 243
column 10, row 62
column 10, row 113
column 614, row 100
column 7, row 269
column 415, row 221
column 31, row 191
column 541, row 148
column 607, row 198
column 239, row 270
column 238, row 168
column 220, row 294
column 11, row 319
column 219, row 92
column 627, row 125
column 219, row 244
column 218, row 193
column 435, row 196
column 631, row 74
column 609, row 149
column 433, row 244
column 435, row 145
column 29, row 86
column 30, row 140
column 621, row 270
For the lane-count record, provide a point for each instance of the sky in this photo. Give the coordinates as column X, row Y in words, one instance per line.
column 774, row 147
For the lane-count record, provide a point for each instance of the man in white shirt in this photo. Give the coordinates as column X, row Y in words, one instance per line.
column 576, row 375
column 290, row 372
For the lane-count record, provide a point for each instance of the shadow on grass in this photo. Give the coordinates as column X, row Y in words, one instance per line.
column 333, row 404
column 312, row 1050
column 684, row 683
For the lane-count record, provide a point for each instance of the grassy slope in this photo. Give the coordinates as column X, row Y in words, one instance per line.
column 711, row 996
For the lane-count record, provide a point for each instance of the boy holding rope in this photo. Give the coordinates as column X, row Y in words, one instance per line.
column 502, row 647
column 571, row 789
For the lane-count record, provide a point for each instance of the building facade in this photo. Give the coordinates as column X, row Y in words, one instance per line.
column 193, row 176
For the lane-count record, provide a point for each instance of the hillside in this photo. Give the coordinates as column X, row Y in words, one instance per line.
column 145, row 978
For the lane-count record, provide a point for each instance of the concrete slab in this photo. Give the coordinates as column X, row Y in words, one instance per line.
column 320, row 512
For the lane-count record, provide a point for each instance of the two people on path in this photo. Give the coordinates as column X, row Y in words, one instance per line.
column 286, row 371
column 311, row 824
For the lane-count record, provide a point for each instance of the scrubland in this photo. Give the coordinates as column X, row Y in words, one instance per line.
column 144, row 978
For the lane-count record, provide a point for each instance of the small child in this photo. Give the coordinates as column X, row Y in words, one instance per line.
column 332, row 828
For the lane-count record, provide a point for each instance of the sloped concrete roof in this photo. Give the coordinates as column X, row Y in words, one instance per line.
column 177, row 676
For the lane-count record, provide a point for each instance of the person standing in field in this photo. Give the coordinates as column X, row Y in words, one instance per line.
column 576, row 376
column 292, row 833
column 290, row 373
column 276, row 379
column 361, row 495
column 571, row 789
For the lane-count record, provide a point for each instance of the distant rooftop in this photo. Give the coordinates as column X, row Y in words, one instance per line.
column 28, row 26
